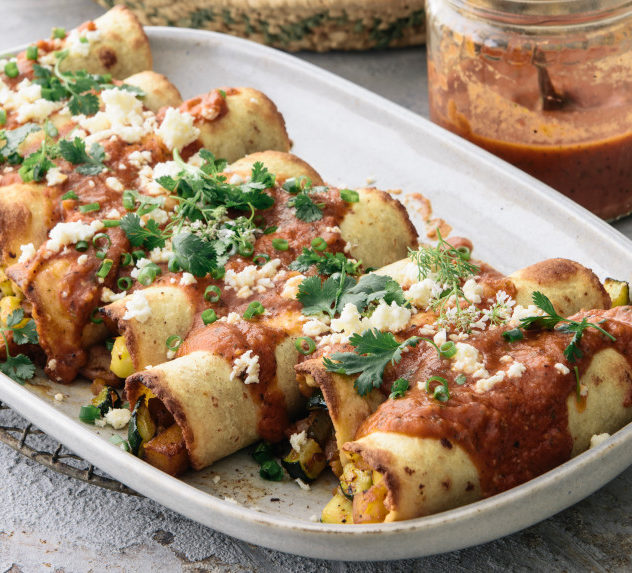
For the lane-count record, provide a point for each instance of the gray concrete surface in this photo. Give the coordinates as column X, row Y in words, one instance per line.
column 50, row 522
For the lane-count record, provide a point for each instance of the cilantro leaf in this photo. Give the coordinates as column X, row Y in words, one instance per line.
column 317, row 296
column 13, row 139
column 194, row 254
column 374, row 350
column 37, row 164
column 75, row 152
column 372, row 288
column 150, row 236
column 306, row 209
column 86, row 104
column 15, row 317
column 19, row 367
column 326, row 263
column 260, row 175
column 26, row 334
column 398, row 389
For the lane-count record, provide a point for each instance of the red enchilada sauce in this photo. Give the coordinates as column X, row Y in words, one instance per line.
column 519, row 428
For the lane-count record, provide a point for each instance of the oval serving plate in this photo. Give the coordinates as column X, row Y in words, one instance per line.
column 349, row 135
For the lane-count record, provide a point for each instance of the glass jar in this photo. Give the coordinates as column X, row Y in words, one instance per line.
column 544, row 84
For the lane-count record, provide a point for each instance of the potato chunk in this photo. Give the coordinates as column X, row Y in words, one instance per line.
column 167, row 451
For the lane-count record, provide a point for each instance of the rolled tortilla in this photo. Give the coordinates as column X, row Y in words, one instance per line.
column 437, row 471
column 120, row 47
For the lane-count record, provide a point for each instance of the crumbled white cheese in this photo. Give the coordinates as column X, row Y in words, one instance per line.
column 486, row 384
column 216, row 479
column 100, row 422
column 516, row 370
column 421, row 293
column 440, row 338
column 139, row 159
column 28, row 252
column 391, row 318
column 113, row 214
column 506, row 359
column 406, row 275
column 472, row 291
column 114, row 184
column 118, row 418
column 349, row 321
column 521, row 312
column 52, row 364
column 177, row 129
column 467, row 359
column 246, row 363
column 561, row 368
column 64, row 234
column 140, row 264
column 231, row 318
column 82, row 260
column 187, row 279
column 108, row 295
column 59, row 397
column 236, row 179
column 54, row 176
column 159, row 215
column 314, row 518
column 314, row 327
column 171, row 354
column 583, row 390
column 148, row 176
column 158, row 255
column 335, row 229
column 137, row 306
column 252, row 278
column 78, row 43
column 304, row 486
column 290, row 289
column 598, row 439
column 298, row 441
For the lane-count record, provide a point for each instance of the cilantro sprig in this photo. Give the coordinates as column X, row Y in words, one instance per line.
column 19, row 367
column 306, row 208
column 326, row 263
column 88, row 163
column 551, row 319
column 374, row 350
column 12, row 140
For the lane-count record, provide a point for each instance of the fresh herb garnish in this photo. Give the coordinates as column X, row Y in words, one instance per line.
column 551, row 319
column 87, row 163
column 326, row 263
column 441, row 391
column 306, row 209
column 513, row 335
column 269, row 468
column 19, row 367
column 37, row 164
column 398, row 389
column 13, row 139
column 88, row 414
column 374, row 350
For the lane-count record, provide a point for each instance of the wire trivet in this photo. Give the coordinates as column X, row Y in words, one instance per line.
column 16, row 437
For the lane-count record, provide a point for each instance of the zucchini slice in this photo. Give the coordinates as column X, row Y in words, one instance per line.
column 107, row 398
column 306, row 464
column 338, row 510
column 619, row 291
column 141, row 428
column 354, row 481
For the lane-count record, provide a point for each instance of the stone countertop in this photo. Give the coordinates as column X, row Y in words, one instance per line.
column 49, row 522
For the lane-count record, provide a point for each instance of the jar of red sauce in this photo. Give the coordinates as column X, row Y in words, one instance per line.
column 546, row 85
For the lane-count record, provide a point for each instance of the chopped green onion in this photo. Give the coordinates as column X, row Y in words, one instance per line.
column 126, row 259
column 120, row 442
column 59, row 33
column 212, row 293
column 222, row 93
column 280, row 244
column 69, row 195
column 349, row 195
column 123, row 283
column 109, row 223
column 11, row 70
column 109, row 344
column 254, row 308
column 464, row 252
column 31, row 53
column 93, row 316
column 173, row 342
column 513, row 335
column 300, row 345
column 398, row 389
column 173, row 265
column 83, row 40
column 99, row 236
column 262, row 453
column 101, row 254
column 261, row 259
column 129, row 201
column 89, row 208
column 319, row 244
column 88, row 414
column 271, row 471
column 461, row 379
column 82, row 246
column 246, row 249
column 270, row 230
column 218, row 273
column 147, row 275
column 441, row 392
column 3, row 116
column 209, row 316
column 138, row 254
column 447, row 349
column 105, row 268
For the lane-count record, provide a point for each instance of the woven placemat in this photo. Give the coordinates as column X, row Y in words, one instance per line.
column 292, row 25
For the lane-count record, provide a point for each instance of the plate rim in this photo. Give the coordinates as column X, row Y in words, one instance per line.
column 143, row 477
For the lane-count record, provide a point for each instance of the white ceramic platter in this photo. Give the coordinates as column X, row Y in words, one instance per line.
column 350, row 134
